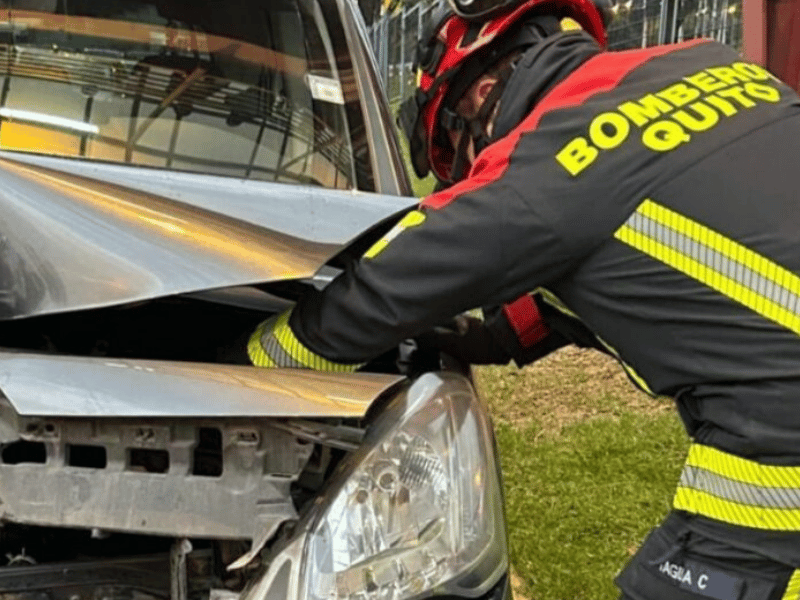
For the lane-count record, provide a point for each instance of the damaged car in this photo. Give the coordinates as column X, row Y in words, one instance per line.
column 171, row 173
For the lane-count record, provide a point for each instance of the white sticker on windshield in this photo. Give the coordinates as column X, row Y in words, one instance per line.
column 325, row 89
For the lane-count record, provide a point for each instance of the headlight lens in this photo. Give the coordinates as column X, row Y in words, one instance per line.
column 421, row 510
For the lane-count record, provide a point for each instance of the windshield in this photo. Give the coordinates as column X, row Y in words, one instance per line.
column 242, row 88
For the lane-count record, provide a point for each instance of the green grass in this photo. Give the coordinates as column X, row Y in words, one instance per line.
column 590, row 466
column 579, row 504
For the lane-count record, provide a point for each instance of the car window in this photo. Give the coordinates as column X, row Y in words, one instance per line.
column 244, row 88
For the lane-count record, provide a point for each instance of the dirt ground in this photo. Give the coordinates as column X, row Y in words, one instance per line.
column 553, row 391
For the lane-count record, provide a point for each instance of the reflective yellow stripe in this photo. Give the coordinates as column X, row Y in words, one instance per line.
column 793, row 587
column 255, row 352
column 722, row 244
column 412, row 219
column 705, row 504
column 741, row 469
column 739, row 491
column 715, row 260
column 557, row 303
column 296, row 350
column 376, row 248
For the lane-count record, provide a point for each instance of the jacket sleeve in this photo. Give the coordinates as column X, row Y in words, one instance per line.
column 485, row 245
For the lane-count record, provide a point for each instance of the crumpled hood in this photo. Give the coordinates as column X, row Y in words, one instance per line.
column 77, row 235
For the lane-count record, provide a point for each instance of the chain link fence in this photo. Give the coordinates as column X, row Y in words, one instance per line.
column 636, row 24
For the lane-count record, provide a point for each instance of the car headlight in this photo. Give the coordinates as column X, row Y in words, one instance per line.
column 418, row 510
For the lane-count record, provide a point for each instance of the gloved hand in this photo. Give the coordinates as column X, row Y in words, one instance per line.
column 467, row 339
column 274, row 344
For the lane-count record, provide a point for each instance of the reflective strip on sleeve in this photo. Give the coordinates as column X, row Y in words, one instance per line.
column 275, row 345
column 412, row 219
column 792, row 591
column 739, row 491
column 254, row 350
column 715, row 260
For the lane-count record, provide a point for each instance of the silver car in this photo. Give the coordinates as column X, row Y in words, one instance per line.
column 172, row 172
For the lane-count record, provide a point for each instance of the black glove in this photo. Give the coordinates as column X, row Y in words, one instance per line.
column 466, row 339
column 489, row 342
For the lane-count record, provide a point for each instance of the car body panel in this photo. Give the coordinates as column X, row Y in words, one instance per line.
column 114, row 243
column 88, row 387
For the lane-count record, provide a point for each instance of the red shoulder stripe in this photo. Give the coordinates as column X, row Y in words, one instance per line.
column 601, row 73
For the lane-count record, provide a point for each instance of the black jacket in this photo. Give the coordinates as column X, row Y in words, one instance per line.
column 651, row 193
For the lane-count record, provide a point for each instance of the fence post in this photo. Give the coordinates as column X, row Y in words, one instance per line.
column 669, row 18
column 385, row 49
column 402, row 71
column 644, row 23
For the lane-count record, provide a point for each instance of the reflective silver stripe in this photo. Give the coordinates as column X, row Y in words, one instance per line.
column 277, row 353
column 719, row 262
column 740, row 492
column 715, row 260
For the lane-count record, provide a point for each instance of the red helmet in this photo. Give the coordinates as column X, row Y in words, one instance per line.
column 461, row 45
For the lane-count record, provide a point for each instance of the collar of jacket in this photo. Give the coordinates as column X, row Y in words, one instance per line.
column 539, row 69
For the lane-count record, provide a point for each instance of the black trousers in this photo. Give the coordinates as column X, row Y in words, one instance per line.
column 692, row 558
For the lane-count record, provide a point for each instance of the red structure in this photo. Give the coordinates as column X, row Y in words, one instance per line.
column 772, row 36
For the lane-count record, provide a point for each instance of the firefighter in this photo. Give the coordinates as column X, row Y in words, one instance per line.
column 649, row 195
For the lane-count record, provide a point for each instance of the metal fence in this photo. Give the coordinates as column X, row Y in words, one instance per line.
column 394, row 40
column 636, row 24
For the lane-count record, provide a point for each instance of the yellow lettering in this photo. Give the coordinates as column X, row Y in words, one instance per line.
column 663, row 136
column 645, row 110
column 708, row 117
column 725, row 107
column 762, row 92
column 705, row 81
column 679, row 94
column 668, row 118
column 752, row 70
column 609, row 130
column 577, row 155
column 737, row 93
column 728, row 75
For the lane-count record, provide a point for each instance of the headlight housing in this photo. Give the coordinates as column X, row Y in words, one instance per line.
column 416, row 512
column 419, row 510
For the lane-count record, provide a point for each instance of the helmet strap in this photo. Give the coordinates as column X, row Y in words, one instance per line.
column 475, row 129
column 480, row 128
column 460, row 162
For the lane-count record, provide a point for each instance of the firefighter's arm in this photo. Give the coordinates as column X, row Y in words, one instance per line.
column 391, row 295
column 486, row 248
column 274, row 344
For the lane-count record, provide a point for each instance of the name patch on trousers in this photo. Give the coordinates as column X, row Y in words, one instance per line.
column 701, row 579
